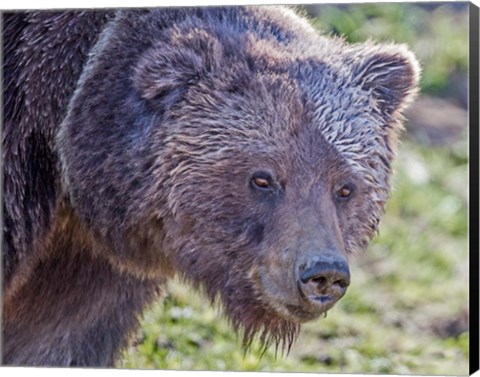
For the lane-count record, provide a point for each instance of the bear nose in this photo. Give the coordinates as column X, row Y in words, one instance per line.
column 325, row 280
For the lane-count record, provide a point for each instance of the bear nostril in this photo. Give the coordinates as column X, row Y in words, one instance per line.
column 320, row 281
column 341, row 283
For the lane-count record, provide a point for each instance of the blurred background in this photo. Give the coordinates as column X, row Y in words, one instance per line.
column 407, row 308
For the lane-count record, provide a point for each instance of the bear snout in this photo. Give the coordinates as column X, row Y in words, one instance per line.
column 323, row 280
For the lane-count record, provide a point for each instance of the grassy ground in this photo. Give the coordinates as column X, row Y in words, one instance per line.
column 407, row 308
column 405, row 312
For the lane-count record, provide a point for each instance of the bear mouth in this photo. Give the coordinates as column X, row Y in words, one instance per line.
column 301, row 315
column 312, row 308
column 324, row 300
column 292, row 304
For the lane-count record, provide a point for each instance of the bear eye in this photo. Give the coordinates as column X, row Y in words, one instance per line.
column 345, row 191
column 262, row 182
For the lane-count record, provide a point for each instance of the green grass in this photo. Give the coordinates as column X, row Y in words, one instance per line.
column 406, row 290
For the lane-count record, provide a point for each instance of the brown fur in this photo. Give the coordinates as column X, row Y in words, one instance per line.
column 130, row 156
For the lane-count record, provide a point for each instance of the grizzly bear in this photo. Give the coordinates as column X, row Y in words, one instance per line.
column 234, row 147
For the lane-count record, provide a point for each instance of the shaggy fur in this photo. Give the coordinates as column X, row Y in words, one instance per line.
column 130, row 141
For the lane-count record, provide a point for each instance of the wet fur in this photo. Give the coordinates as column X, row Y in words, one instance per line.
column 122, row 149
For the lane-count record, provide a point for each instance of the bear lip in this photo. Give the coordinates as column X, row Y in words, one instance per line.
column 301, row 314
column 322, row 299
column 311, row 307
column 321, row 303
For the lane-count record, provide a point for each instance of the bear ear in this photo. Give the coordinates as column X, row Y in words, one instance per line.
column 166, row 70
column 390, row 73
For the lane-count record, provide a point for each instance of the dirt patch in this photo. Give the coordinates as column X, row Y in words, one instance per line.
column 451, row 327
column 437, row 122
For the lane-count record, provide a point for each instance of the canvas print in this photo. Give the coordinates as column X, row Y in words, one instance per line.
column 248, row 188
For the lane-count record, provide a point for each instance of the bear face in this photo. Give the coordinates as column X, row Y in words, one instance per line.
column 243, row 155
